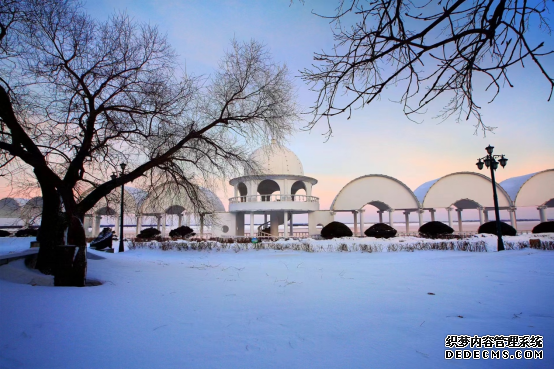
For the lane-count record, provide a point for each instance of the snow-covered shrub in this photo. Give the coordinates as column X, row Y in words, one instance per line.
column 380, row 230
column 434, row 229
column 544, row 227
column 490, row 228
column 26, row 232
column 181, row 232
column 4, row 233
column 335, row 230
column 148, row 233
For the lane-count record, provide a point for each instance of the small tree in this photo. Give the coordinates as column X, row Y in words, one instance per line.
column 78, row 97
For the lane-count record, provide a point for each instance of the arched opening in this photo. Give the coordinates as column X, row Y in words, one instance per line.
column 266, row 188
column 243, row 191
column 298, row 191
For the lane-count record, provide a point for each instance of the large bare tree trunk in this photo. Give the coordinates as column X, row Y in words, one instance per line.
column 52, row 229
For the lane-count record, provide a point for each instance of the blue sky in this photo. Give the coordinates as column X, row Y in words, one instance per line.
column 378, row 138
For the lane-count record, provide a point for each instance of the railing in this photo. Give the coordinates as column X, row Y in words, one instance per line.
column 270, row 198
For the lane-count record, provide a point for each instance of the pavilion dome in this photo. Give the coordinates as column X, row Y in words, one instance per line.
column 277, row 159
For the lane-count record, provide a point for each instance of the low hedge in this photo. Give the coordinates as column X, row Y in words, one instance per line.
column 149, row 233
column 181, row 232
column 490, row 228
column 544, row 227
column 434, row 229
column 335, row 230
column 26, row 232
column 380, row 230
column 4, row 233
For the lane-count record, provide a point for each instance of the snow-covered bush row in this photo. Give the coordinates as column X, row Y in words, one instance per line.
column 349, row 244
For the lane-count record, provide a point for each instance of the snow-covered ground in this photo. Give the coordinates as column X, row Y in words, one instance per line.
column 279, row 309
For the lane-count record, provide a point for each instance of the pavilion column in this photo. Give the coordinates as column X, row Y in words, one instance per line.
column 88, row 224
column 116, row 225
column 407, row 220
column 380, row 212
column 486, row 215
column 274, row 224
column 542, row 213
column 432, row 211
column 180, row 224
column 362, row 225
column 480, row 210
column 355, row 214
column 513, row 219
column 236, row 190
column 97, row 224
column 164, row 222
column 449, row 209
column 265, row 218
column 460, row 228
column 291, row 225
column 420, row 217
column 239, row 224
column 286, row 220
column 139, row 223
column 158, row 222
column 201, row 225
column 251, row 224
column 391, row 218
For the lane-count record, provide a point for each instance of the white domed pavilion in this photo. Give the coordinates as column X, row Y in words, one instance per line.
column 277, row 188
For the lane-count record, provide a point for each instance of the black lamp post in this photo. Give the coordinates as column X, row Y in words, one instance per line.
column 121, row 210
column 490, row 162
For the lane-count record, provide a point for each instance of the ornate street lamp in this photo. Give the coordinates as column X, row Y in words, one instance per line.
column 121, row 210
column 490, row 162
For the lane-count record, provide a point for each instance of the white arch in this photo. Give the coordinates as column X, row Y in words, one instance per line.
column 132, row 198
column 11, row 207
column 451, row 188
column 535, row 189
column 377, row 189
column 164, row 197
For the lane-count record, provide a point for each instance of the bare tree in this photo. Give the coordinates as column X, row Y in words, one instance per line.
column 433, row 52
column 79, row 97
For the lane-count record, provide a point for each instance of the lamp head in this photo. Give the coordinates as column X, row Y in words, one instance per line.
column 488, row 162
column 503, row 161
column 489, row 149
column 113, row 176
column 479, row 164
column 123, row 165
column 494, row 164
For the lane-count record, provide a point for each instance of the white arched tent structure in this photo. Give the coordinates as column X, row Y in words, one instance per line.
column 110, row 206
column 384, row 192
column 535, row 189
column 11, row 207
column 463, row 190
column 167, row 199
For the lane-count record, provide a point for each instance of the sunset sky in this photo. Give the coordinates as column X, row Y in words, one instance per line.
column 378, row 138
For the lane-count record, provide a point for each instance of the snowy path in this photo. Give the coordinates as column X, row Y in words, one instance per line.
column 280, row 309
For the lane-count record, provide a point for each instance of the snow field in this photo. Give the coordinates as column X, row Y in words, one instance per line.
column 279, row 309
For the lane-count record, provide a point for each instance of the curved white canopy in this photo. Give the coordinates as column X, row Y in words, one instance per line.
column 110, row 204
column 11, row 207
column 166, row 199
column 533, row 189
column 465, row 190
column 379, row 190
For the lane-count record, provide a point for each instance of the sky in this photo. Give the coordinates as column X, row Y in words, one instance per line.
column 378, row 139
